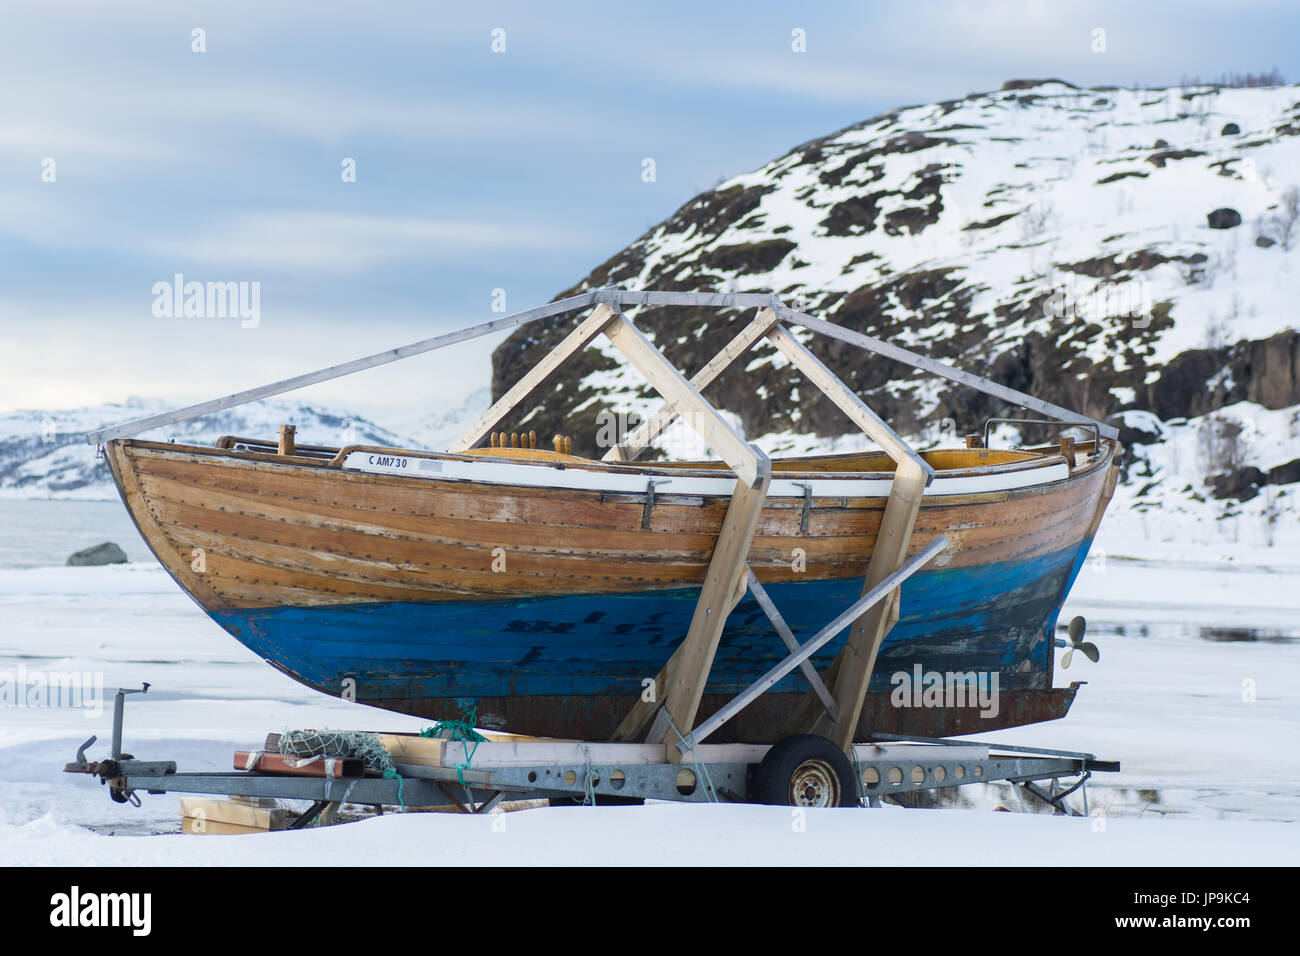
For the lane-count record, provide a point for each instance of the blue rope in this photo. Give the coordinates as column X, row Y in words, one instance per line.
column 462, row 730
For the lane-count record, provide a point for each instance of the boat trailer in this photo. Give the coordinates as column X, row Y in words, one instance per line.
column 475, row 776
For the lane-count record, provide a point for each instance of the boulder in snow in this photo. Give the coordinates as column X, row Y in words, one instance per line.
column 1224, row 218
column 106, row 553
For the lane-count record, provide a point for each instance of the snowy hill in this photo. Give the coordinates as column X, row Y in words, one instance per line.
column 1131, row 254
column 43, row 453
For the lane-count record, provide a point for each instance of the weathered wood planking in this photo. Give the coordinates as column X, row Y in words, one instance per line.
column 275, row 533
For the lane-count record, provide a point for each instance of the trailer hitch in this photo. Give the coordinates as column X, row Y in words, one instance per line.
column 115, row 769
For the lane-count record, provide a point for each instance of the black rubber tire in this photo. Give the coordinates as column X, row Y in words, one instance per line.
column 820, row 768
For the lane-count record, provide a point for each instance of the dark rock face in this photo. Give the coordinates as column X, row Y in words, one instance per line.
column 1224, row 218
column 1286, row 474
column 1242, row 484
column 1180, row 391
column 106, row 553
column 1271, row 369
column 1230, row 129
column 1030, row 84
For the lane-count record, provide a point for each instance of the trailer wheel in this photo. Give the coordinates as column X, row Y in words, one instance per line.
column 806, row 771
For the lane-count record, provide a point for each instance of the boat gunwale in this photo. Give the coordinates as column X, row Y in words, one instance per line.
column 1037, row 458
column 1081, row 471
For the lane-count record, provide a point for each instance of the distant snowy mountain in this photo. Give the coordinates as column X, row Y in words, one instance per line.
column 43, row 453
column 1132, row 254
column 438, row 429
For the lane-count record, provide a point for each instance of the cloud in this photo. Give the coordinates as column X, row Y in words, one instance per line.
column 338, row 243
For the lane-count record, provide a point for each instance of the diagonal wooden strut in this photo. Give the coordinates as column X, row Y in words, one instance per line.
column 743, row 458
column 799, row 654
column 575, row 341
column 852, row 668
column 683, row 683
column 656, row 424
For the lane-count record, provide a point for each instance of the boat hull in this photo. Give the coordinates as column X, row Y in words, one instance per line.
column 383, row 589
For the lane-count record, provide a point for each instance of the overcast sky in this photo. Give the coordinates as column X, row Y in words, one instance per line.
column 475, row 169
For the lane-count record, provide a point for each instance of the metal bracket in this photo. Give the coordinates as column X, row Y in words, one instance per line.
column 650, row 501
column 807, row 505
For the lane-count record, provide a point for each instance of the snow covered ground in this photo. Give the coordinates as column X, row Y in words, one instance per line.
column 1204, row 729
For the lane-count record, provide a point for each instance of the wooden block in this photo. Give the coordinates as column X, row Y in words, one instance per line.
column 337, row 767
column 203, row 827
column 421, row 751
column 225, row 811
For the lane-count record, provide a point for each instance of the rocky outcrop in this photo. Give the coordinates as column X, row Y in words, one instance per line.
column 984, row 232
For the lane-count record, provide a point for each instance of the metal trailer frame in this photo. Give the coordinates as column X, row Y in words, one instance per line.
column 577, row 771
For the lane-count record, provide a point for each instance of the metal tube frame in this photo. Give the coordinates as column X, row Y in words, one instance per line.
column 616, row 298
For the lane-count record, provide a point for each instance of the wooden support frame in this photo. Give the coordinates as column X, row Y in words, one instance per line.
column 684, row 679
column 654, row 426
column 575, row 341
column 858, row 658
column 848, row 402
column 799, row 654
column 744, row 459
column 684, row 683
column 614, row 298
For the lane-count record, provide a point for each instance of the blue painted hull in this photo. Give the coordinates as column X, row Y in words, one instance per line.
column 520, row 658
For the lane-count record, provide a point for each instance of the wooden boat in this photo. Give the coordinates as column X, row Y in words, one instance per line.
column 548, row 590
column 544, row 588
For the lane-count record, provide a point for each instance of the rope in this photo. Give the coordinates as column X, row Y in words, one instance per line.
column 590, row 776
column 703, row 768
column 857, row 768
column 462, row 730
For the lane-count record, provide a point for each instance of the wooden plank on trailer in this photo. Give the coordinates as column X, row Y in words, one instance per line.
column 645, row 433
column 575, row 341
column 746, row 461
column 422, row 751
column 333, row 767
column 685, row 684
